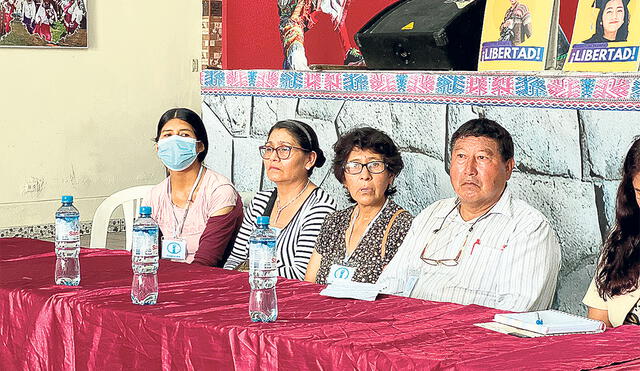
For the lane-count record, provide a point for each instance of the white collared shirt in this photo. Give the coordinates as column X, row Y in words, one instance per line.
column 510, row 259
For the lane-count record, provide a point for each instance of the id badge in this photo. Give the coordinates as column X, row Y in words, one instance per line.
column 174, row 248
column 339, row 272
column 409, row 285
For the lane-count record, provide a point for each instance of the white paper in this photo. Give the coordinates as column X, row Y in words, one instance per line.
column 553, row 322
column 352, row 290
column 509, row 330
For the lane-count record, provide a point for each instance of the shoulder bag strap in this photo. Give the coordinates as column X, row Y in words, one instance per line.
column 270, row 203
column 386, row 231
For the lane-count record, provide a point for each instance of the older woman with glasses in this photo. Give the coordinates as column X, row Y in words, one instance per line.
column 358, row 242
column 296, row 207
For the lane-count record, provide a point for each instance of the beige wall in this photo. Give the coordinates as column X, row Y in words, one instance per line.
column 80, row 122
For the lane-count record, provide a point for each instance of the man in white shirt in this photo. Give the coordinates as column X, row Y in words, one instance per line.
column 483, row 247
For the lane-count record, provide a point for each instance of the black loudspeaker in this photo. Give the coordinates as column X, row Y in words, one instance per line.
column 424, row 35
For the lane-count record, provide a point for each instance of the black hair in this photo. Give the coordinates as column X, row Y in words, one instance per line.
column 190, row 118
column 306, row 137
column 623, row 31
column 367, row 138
column 485, row 128
column 619, row 266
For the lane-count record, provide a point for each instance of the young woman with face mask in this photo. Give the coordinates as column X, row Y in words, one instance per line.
column 198, row 210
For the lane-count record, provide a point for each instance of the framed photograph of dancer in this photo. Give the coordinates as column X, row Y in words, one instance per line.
column 43, row 23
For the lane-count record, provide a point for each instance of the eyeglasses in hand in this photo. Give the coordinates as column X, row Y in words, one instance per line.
column 374, row 167
column 283, row 152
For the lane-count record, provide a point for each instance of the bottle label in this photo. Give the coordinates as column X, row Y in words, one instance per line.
column 145, row 243
column 262, row 255
column 68, row 228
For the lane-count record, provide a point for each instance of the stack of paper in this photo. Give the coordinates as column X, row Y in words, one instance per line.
column 352, row 290
column 550, row 322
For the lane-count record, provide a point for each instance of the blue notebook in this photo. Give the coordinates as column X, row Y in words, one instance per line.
column 550, row 322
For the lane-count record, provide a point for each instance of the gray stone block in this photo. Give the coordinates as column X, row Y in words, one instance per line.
column 266, row 183
column 419, row 128
column 607, row 136
column 572, row 285
column 607, row 190
column 459, row 114
column 570, row 208
column 247, row 164
column 546, row 141
column 422, row 182
column 336, row 190
column 268, row 111
column 321, row 109
column 220, row 154
column 327, row 136
column 233, row 112
column 358, row 114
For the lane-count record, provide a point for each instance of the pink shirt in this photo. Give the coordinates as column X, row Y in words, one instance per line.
column 215, row 193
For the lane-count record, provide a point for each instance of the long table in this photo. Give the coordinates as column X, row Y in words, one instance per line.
column 201, row 321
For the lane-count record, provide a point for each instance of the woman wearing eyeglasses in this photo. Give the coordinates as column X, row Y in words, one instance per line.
column 296, row 207
column 358, row 242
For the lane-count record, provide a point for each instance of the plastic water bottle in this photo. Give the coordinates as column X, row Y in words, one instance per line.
column 144, row 259
column 263, row 303
column 67, row 244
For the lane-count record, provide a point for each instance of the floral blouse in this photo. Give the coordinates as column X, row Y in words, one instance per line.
column 367, row 257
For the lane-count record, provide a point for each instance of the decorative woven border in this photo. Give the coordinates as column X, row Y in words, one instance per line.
column 543, row 90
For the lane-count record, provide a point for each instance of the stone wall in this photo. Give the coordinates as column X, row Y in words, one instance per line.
column 567, row 161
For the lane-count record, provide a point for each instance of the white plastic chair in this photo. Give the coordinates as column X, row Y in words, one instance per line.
column 130, row 199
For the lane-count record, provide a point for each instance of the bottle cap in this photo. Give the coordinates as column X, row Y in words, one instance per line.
column 263, row 220
column 145, row 210
column 66, row 199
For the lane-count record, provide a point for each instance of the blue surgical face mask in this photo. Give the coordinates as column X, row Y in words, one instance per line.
column 176, row 152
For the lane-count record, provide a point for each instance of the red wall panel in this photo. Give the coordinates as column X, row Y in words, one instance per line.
column 251, row 39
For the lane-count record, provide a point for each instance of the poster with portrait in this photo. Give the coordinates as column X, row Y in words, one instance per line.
column 606, row 36
column 519, row 35
column 43, row 23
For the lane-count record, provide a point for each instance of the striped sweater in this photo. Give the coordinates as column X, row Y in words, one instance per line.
column 295, row 241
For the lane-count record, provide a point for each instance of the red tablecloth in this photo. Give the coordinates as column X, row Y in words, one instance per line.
column 201, row 321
